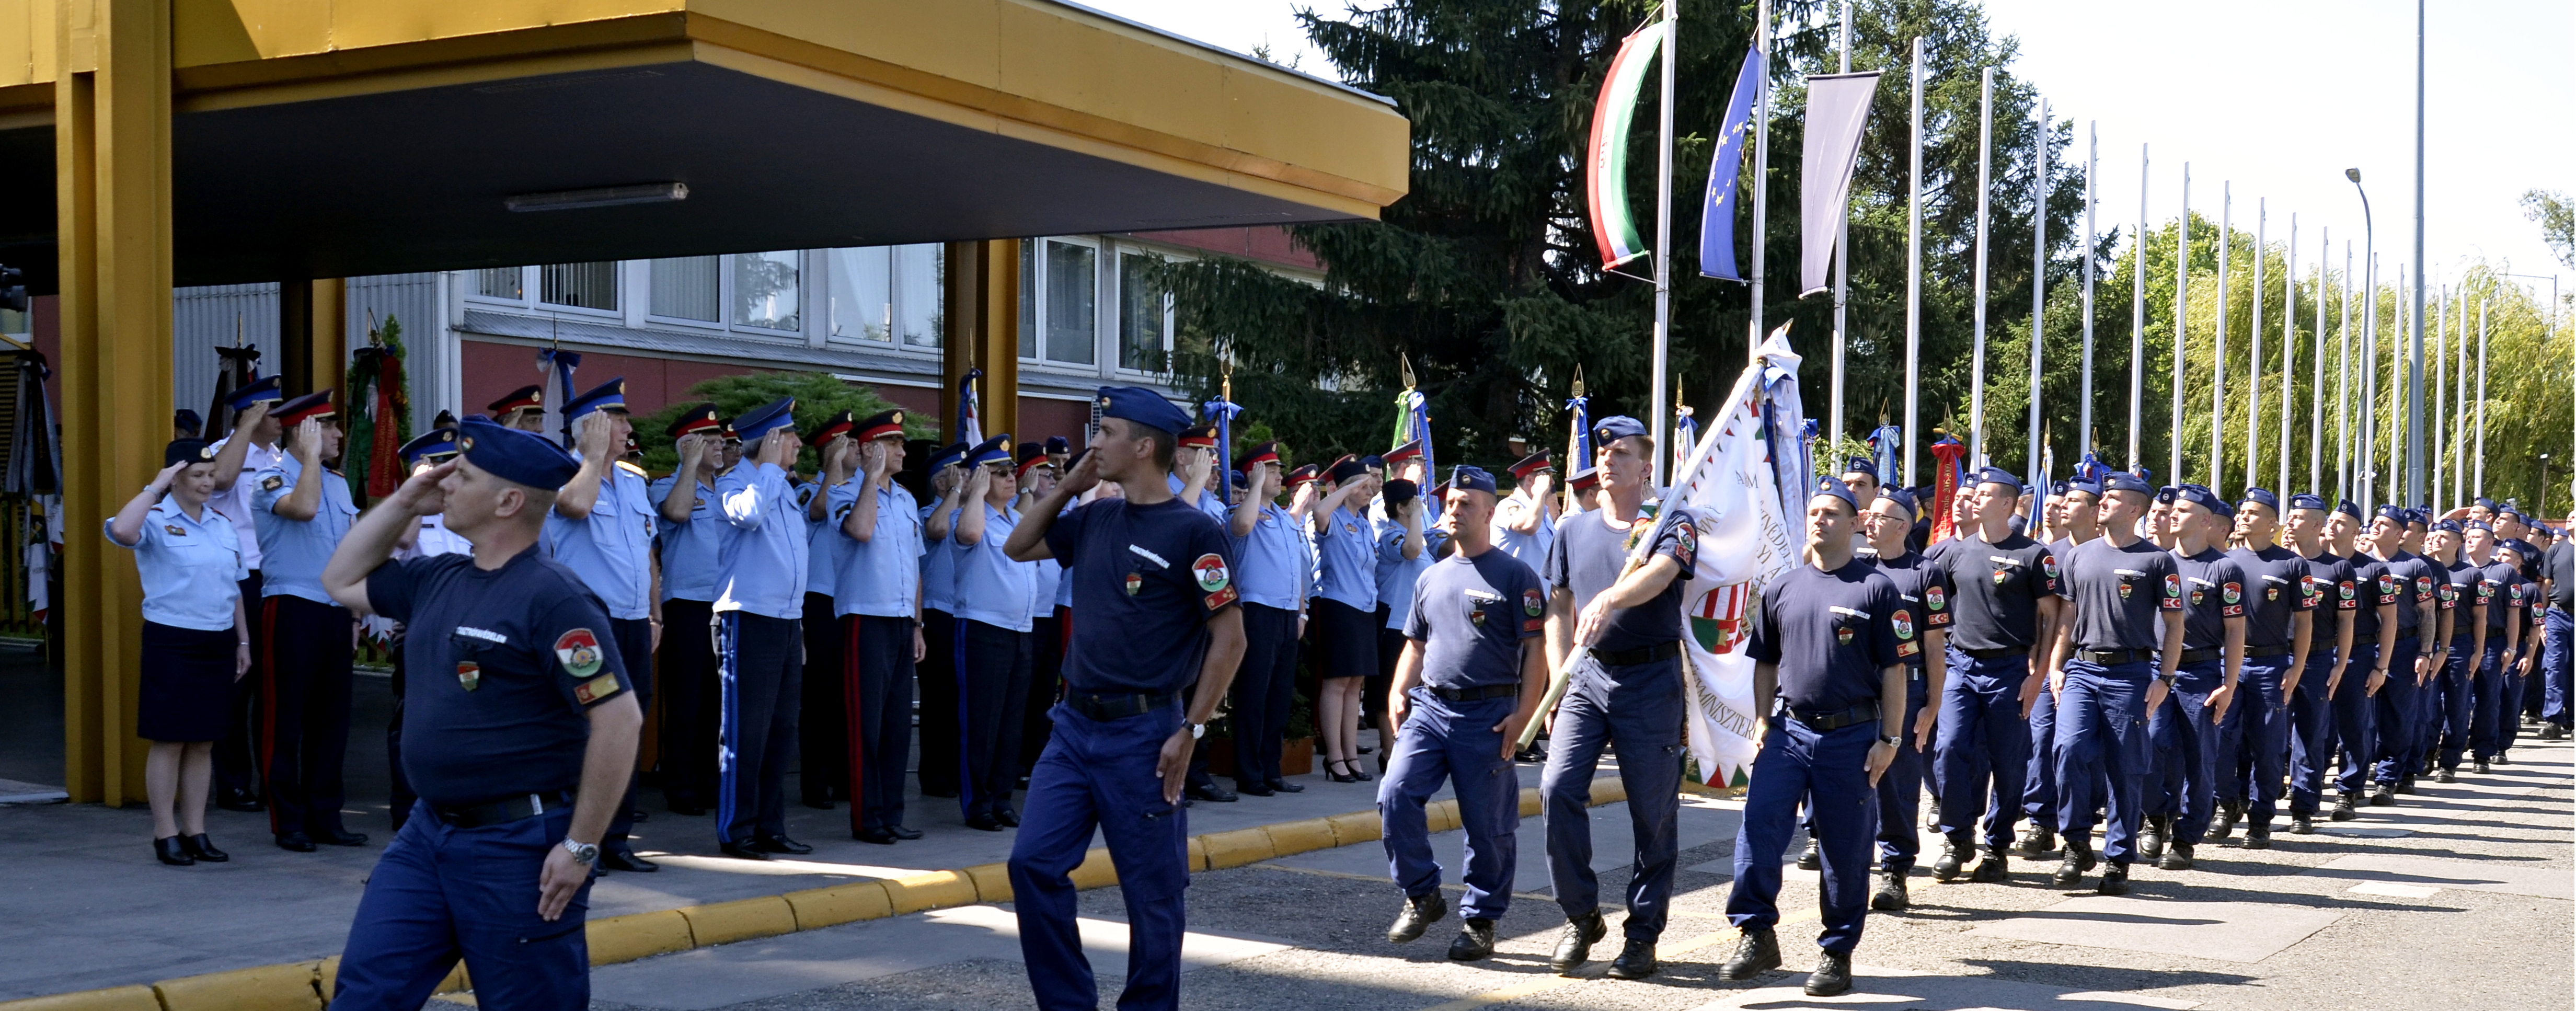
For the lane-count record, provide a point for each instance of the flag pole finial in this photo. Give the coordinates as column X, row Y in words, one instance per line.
column 1404, row 362
column 1578, row 379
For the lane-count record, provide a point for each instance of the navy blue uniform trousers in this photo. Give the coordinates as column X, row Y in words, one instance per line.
column 1264, row 690
column 822, row 743
column 1638, row 708
column 304, row 716
column 441, row 893
column 2557, row 668
column 2102, row 741
column 1454, row 742
column 634, row 638
column 236, row 753
column 2356, row 719
column 876, row 698
column 2400, row 714
column 1828, row 770
column 2184, row 783
column 2457, row 715
column 1980, row 737
column 992, row 688
column 692, row 703
column 2311, row 730
column 2254, row 739
column 1900, row 789
column 938, row 672
column 761, row 671
column 1099, row 776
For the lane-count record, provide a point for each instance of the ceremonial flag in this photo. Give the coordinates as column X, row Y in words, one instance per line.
column 1685, row 439
column 1883, row 443
column 970, row 413
column 1578, row 444
column 1837, row 109
column 554, row 371
column 1223, row 409
column 1717, row 220
column 1606, row 174
column 1945, row 487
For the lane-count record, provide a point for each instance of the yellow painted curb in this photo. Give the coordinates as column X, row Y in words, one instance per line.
column 1097, row 871
column 935, row 890
column 817, row 908
column 1441, row 815
column 1532, row 803
column 1305, row 835
column 739, row 920
column 287, row 987
column 115, row 998
column 1198, row 856
column 630, row 937
column 1356, row 827
column 1608, row 790
column 992, row 882
column 1237, row 848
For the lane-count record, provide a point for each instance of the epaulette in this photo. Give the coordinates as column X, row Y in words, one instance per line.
column 632, row 468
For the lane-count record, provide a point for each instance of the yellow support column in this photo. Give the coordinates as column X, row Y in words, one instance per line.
column 112, row 193
column 980, row 301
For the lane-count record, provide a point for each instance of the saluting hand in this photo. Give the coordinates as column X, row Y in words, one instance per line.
column 593, row 437
column 1084, row 476
column 421, row 494
column 308, row 440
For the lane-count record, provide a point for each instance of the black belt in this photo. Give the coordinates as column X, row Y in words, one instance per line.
column 1634, row 657
column 2202, row 655
column 1996, row 654
column 503, row 811
column 1476, row 694
column 2268, row 649
column 1862, row 713
column 2114, row 657
column 1116, row 707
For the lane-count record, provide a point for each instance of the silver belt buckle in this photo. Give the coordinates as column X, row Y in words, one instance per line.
column 538, row 803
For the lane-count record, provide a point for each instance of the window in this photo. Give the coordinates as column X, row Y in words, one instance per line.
column 1068, row 296
column 579, row 285
column 688, row 287
column 1028, row 298
column 1144, row 315
column 499, row 282
column 886, row 294
column 764, row 290
column 917, row 280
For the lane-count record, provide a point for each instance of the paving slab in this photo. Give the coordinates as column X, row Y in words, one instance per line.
column 2510, row 877
column 1892, row 989
column 2226, row 931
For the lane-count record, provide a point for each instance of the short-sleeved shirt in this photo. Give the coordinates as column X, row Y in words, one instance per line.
column 1278, row 565
column 611, row 549
column 823, row 549
column 2417, row 580
column 1997, row 589
column 433, row 538
column 880, row 576
column 1396, row 574
column 2213, row 590
column 191, row 568
column 1208, row 501
column 1347, row 553
column 234, row 502
column 2495, row 578
column 2336, row 593
column 1470, row 615
column 292, row 552
column 2374, row 585
column 991, row 587
column 1587, row 558
column 2275, row 594
column 2558, row 564
column 1146, row 578
column 1924, row 590
column 2118, row 593
column 502, row 665
column 1830, row 634
column 763, row 564
column 2531, row 611
column 692, row 552
column 1530, row 548
column 2462, row 588
column 939, row 563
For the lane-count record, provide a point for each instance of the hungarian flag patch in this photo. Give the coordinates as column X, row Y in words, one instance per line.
column 578, row 650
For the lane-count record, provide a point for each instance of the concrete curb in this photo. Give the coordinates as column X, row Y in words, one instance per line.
column 304, row 986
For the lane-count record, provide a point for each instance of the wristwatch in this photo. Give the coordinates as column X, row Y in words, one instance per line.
column 1196, row 730
column 582, row 853
column 1892, row 740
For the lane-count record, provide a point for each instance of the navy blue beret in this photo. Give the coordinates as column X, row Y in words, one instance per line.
column 2489, row 503
column 1904, row 500
column 1345, row 470
column 2446, row 527
column 2093, row 488
column 2167, row 494
column 610, row 395
column 949, row 455
column 1837, row 489
column 1142, row 406
column 1056, row 446
column 2477, row 525
column 2393, row 514
column 1614, row 428
column 1400, row 491
column 2308, row 500
column 264, row 389
column 2203, row 497
column 2262, row 497
column 993, row 450
column 1470, row 478
column 2121, row 480
column 1861, row 465
column 757, row 423
column 434, row 445
column 2348, row 508
column 2057, row 487
column 523, row 458
column 1998, row 475
column 189, row 450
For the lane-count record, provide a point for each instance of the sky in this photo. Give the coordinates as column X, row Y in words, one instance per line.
column 2271, row 99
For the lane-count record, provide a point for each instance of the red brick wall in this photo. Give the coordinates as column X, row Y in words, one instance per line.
column 1269, row 244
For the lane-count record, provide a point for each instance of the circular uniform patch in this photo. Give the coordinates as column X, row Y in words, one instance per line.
column 1904, row 624
column 1211, row 573
column 1532, row 604
column 2231, row 593
column 578, row 650
column 2173, row 585
column 1935, row 599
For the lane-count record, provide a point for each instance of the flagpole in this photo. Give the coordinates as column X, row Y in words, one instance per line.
column 2415, row 296
column 1914, row 266
column 2038, row 293
column 1761, row 173
column 2138, row 310
column 2317, row 384
column 2254, row 360
column 2092, row 163
column 2441, row 387
column 1842, row 249
column 2479, row 484
column 2289, row 343
column 2459, row 426
column 2343, row 383
column 1661, row 421
column 1977, row 359
column 2218, row 341
column 2182, row 283
column 2365, row 477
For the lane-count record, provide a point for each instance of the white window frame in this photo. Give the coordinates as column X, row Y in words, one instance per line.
column 1118, row 311
column 804, row 305
column 1104, row 319
column 528, row 302
column 893, row 344
column 724, row 299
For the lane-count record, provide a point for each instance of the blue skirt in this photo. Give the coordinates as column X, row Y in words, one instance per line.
column 187, row 683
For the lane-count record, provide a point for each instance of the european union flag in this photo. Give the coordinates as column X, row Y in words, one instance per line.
column 1717, row 220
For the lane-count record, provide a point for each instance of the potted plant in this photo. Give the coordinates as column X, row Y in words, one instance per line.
column 1296, row 751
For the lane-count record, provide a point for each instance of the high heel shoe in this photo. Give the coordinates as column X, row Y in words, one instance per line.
column 168, row 850
column 1339, row 777
column 202, row 848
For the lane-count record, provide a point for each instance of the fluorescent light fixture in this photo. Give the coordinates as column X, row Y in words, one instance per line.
column 605, row 196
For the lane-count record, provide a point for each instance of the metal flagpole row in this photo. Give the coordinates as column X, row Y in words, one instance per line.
column 2092, row 162
column 2254, row 359
column 1761, row 172
column 2218, row 344
column 2441, row 389
column 1977, row 358
column 1842, row 254
column 1914, row 266
column 2138, row 311
column 1659, row 424
column 2343, row 385
column 2035, row 465
column 2317, row 384
column 2182, row 286
column 2478, row 485
column 2289, row 344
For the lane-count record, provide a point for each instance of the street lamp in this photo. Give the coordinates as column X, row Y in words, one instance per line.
column 2370, row 331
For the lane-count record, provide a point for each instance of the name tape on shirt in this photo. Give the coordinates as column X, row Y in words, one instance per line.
column 1149, row 556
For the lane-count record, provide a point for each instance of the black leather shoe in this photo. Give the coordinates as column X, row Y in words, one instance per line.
column 1832, row 975
column 1946, row 866
column 1635, row 961
column 2445, row 776
column 2079, row 859
column 2301, row 824
column 2115, row 880
column 240, row 800
column 2228, row 812
column 2345, row 807
column 780, row 844
column 1285, row 786
column 1418, row 914
column 168, row 851
column 1574, row 947
column 2500, row 757
column 1211, row 792
column 2383, row 795
column 1807, row 859
column 1757, row 952
column 2481, row 767
column 984, row 823
column 2151, row 838
column 341, row 837
column 202, row 848
column 2036, row 842
column 1009, row 818
column 2258, row 836
column 903, row 833
column 1254, row 788
column 1992, row 866
column 1890, row 896
column 624, row 859
column 2177, row 858
column 741, row 851
column 1475, row 942
column 296, row 841
column 2404, row 785
column 876, row 836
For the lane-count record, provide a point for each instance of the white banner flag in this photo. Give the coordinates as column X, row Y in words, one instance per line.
column 1837, row 112
column 1744, row 540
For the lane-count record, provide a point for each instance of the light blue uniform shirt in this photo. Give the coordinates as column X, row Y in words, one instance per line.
column 1064, row 587
column 610, row 550
column 192, row 569
column 879, row 576
column 1208, row 502
column 1396, row 574
column 991, row 588
column 1274, row 567
column 1347, row 553
column 1530, row 548
column 292, row 552
column 822, row 550
column 1049, row 575
column 692, row 552
column 763, row 568
column 938, row 568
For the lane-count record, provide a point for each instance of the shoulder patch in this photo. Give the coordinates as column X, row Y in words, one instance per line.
column 273, row 482
column 2048, row 564
column 1532, row 604
column 596, row 689
column 1211, row 573
column 578, row 650
column 1904, row 623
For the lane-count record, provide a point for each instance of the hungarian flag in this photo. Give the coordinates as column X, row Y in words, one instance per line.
column 1606, row 178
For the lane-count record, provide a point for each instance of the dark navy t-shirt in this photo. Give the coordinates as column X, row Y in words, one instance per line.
column 2493, row 580
column 1586, row 559
column 2417, row 578
column 1145, row 579
column 2336, row 595
column 2464, row 600
column 1998, row 589
column 499, row 668
column 2374, row 585
column 1923, row 589
column 1470, row 616
column 2213, row 590
column 1831, row 633
column 2116, row 593
column 2275, row 594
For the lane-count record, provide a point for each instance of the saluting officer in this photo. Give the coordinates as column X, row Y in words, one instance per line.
column 877, row 599
column 822, row 734
column 522, row 731
column 1196, row 473
column 2109, row 671
column 1924, row 590
column 1154, row 609
column 302, row 508
column 1617, row 595
column 996, row 593
column 523, row 409
column 1829, row 650
column 2415, row 654
column 1470, row 675
column 940, row 748
column 602, row 528
column 2183, row 730
column 1525, row 520
column 760, row 580
column 2330, row 589
column 1275, row 573
column 250, row 448
column 1345, row 613
column 2003, row 605
column 2374, row 638
column 428, row 538
column 2279, row 627
column 691, row 538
